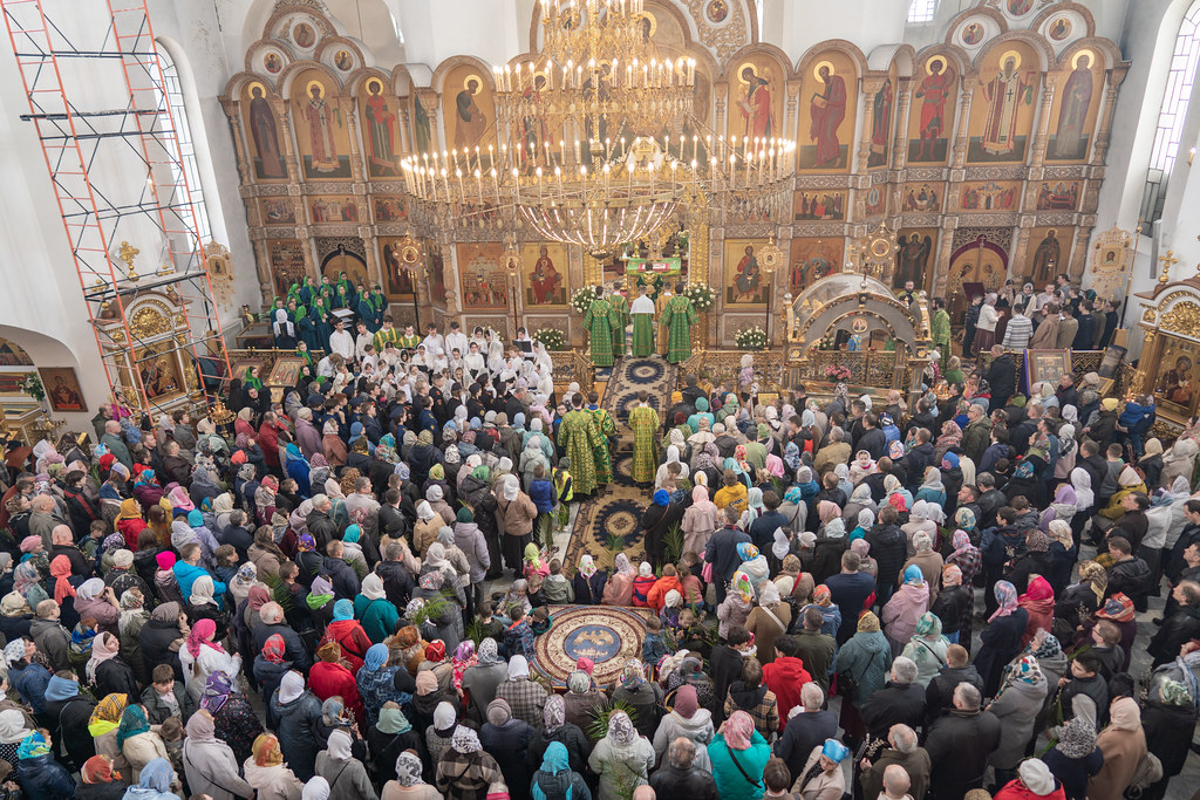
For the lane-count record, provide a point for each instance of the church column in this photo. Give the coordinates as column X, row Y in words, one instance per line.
column 358, row 169
column 1018, row 262
column 1115, row 77
column 404, row 134
column 900, row 131
column 963, row 139
column 262, row 261
column 865, row 118
column 290, row 151
column 374, row 267
column 429, row 101
column 719, row 105
column 941, row 264
column 792, row 113
column 1041, row 138
column 233, row 111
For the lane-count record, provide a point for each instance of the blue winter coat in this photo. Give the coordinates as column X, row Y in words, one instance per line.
column 731, row 783
column 542, row 494
column 43, row 778
column 31, row 684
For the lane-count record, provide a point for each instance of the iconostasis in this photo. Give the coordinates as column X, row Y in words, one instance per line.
column 983, row 154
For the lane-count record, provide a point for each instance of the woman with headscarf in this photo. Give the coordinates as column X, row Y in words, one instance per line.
column 965, row 555
column 636, row 691
column 1038, row 602
column 378, row 683
column 267, row 773
column 94, row 599
column 618, row 590
column 822, row 777
column 506, row 738
column 234, row 719
column 932, row 490
column 1001, row 638
column 555, row 780
column 588, row 582
column 1123, row 745
column 41, row 776
column 466, row 771
column 555, row 729
column 1075, row 758
column 525, row 697
column 1020, row 700
column 866, row 659
column 155, row 783
column 735, row 608
column 738, row 754
column 298, row 712
column 622, row 758
column 329, row 677
column 347, row 777
column 1076, row 604
column 388, row 738
column 656, row 522
column 209, row 763
column 98, row 781
column 927, row 648
column 137, row 742
column 689, row 720
column 581, row 701
column 904, row 609
column 202, row 656
column 106, row 672
column 348, row 633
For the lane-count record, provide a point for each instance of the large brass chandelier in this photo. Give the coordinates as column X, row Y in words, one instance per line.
column 598, row 142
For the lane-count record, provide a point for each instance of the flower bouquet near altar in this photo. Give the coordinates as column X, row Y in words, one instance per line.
column 551, row 338
column 838, row 373
column 702, row 297
column 581, row 301
column 751, row 338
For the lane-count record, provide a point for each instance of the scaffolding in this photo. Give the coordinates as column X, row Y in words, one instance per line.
column 98, row 98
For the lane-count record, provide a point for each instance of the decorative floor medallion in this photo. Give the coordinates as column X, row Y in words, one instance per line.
column 608, row 635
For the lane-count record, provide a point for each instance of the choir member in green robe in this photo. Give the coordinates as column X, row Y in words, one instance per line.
column 644, row 421
column 620, row 305
column 678, row 317
column 599, row 321
column 580, row 440
column 642, row 313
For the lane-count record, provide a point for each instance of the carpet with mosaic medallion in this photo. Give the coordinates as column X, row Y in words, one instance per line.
column 608, row 635
column 617, row 509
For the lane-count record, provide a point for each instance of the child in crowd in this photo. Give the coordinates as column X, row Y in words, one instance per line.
column 1084, row 678
column 557, row 588
column 489, row 626
column 540, row 621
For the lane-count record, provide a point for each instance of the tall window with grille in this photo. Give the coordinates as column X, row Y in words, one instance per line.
column 1171, row 116
column 922, row 11
column 187, row 143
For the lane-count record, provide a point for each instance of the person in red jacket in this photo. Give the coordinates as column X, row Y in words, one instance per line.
column 656, row 598
column 642, row 584
column 329, row 677
column 786, row 676
column 268, row 440
column 348, row 634
column 1036, row 782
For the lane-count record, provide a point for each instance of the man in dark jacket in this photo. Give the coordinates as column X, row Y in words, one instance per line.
column 904, row 753
column 762, row 530
column 320, row 524
column 977, row 435
column 873, row 439
column 990, row 498
column 341, row 574
column 677, row 777
column 849, row 591
column 1180, row 628
column 236, row 535
column 1129, row 575
column 721, row 551
column 808, row 728
column 900, row 702
column 889, row 548
column 959, row 745
column 919, row 458
column 398, row 582
column 1002, row 377
column 50, row 636
column 924, row 417
column 939, row 694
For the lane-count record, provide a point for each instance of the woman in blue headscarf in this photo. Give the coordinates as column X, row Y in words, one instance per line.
column 40, row 775
column 379, row 684
column 555, row 780
column 154, row 782
column 297, row 469
column 657, row 520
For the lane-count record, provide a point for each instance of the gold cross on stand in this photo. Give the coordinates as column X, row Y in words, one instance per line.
column 1167, row 261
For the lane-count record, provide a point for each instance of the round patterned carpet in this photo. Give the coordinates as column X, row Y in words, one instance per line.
column 608, row 635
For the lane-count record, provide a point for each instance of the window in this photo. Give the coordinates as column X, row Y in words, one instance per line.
column 1171, row 115
column 922, row 11
column 187, row 145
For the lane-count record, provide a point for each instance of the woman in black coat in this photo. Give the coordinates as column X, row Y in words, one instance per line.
column 159, row 633
column 106, row 672
column 388, row 738
column 588, row 582
column 1001, row 638
column 656, row 523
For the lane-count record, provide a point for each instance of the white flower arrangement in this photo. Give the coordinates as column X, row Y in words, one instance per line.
column 754, row 338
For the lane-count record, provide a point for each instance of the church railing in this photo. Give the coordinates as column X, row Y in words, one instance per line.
column 726, row 365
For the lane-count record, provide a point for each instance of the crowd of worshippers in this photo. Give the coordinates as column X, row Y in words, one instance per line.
column 810, row 620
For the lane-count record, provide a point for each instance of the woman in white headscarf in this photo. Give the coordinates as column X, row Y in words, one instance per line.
column 618, row 591
column 518, row 512
column 918, row 522
column 673, row 454
column 348, row 779
column 622, row 759
column 532, row 457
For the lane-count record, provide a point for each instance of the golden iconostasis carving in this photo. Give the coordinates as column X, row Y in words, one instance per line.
column 992, row 135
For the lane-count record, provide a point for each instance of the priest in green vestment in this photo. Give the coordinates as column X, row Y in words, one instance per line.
column 607, row 428
column 642, row 313
column 939, row 331
column 678, row 317
column 579, row 437
column 644, row 421
column 620, row 306
column 599, row 321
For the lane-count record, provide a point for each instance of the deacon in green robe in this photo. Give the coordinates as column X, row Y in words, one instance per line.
column 599, row 321
column 642, row 313
column 644, row 421
column 620, row 306
column 580, row 440
column 939, row 331
column 607, row 428
column 678, row 317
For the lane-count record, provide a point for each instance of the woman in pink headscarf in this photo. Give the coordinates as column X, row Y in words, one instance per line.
column 201, row 657
column 700, row 521
column 738, row 753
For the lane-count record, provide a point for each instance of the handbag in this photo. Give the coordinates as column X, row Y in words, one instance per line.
column 848, row 686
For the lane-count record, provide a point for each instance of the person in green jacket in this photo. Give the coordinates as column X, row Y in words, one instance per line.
column 374, row 611
column 939, row 330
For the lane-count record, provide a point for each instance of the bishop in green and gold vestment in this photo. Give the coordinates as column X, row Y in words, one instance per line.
column 644, row 421
column 678, row 317
column 599, row 321
column 579, row 437
column 607, row 428
column 620, row 305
